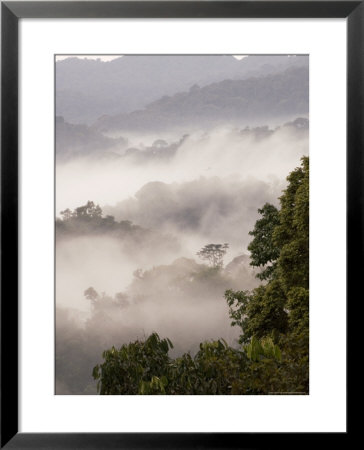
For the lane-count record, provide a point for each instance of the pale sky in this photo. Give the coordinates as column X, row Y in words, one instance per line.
column 102, row 57
column 110, row 57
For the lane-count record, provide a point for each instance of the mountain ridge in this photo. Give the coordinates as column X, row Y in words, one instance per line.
column 86, row 89
column 229, row 101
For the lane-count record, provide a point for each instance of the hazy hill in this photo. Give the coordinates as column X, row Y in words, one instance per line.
column 80, row 140
column 87, row 89
column 236, row 102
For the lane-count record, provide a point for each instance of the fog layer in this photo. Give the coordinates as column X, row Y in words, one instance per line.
column 135, row 208
column 207, row 190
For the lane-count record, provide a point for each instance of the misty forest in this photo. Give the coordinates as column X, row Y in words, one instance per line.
column 182, row 225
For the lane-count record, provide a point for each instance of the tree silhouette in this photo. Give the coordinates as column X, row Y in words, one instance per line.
column 214, row 254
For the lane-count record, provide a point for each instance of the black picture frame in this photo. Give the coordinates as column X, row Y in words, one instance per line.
column 11, row 12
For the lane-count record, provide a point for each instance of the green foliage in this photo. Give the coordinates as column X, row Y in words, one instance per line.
column 293, row 215
column 274, row 369
column 264, row 348
column 238, row 303
column 298, row 305
column 260, row 312
column 292, row 234
column 136, row 367
column 216, row 369
column 210, row 372
column 261, row 367
column 263, row 251
column 145, row 368
column 154, row 386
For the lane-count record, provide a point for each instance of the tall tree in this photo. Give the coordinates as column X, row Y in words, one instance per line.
column 281, row 246
column 214, row 254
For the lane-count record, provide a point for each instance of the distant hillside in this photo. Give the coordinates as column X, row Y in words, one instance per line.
column 266, row 98
column 80, row 140
column 87, row 89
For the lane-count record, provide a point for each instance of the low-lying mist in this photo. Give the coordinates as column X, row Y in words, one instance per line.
column 180, row 195
column 183, row 300
column 222, row 153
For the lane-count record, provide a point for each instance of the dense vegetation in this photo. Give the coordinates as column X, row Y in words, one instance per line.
column 272, row 356
column 88, row 219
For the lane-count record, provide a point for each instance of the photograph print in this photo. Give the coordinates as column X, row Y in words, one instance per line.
column 182, row 224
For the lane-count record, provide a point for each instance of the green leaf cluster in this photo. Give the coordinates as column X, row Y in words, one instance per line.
column 262, row 349
column 263, row 252
column 145, row 368
column 281, row 248
column 260, row 367
column 135, row 367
